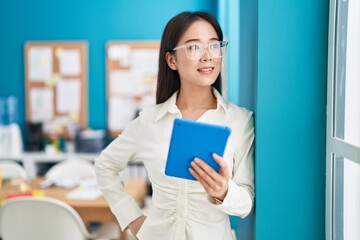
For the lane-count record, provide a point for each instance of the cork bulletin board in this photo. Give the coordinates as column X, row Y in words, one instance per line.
column 131, row 75
column 56, row 84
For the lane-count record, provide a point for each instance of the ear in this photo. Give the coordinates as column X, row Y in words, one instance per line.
column 171, row 61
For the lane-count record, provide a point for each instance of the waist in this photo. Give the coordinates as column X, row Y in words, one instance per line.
column 191, row 205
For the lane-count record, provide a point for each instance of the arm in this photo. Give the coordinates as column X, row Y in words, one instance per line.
column 135, row 225
column 233, row 191
column 112, row 160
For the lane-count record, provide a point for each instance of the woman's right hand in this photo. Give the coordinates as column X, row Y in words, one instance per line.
column 135, row 225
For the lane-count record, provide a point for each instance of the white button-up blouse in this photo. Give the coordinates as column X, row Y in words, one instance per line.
column 181, row 208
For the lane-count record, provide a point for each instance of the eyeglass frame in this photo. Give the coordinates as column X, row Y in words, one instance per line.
column 205, row 46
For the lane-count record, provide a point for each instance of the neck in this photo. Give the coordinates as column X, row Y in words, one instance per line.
column 196, row 98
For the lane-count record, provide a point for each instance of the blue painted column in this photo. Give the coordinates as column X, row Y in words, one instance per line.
column 229, row 17
column 239, row 23
column 291, row 119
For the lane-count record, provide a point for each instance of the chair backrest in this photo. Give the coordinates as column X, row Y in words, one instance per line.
column 40, row 218
column 12, row 170
column 71, row 168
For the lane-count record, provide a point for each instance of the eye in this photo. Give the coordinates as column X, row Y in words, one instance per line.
column 215, row 45
column 193, row 47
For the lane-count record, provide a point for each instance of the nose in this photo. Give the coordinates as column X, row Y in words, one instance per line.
column 207, row 56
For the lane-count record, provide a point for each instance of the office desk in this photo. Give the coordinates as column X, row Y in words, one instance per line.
column 89, row 210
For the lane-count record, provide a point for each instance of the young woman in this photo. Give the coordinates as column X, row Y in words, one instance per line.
column 189, row 86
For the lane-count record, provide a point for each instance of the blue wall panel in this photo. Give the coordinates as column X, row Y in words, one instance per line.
column 290, row 119
column 94, row 21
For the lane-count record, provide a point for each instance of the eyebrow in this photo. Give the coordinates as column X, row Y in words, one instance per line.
column 198, row 40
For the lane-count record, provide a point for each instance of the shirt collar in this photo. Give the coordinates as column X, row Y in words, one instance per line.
column 169, row 106
column 221, row 102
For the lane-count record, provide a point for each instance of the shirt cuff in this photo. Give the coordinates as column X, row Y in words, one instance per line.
column 238, row 200
column 127, row 212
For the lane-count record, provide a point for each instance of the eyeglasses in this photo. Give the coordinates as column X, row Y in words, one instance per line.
column 196, row 51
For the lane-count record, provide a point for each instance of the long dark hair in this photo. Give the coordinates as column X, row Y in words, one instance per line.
column 168, row 80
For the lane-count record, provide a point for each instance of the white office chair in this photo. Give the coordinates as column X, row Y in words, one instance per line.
column 78, row 168
column 41, row 218
column 12, row 170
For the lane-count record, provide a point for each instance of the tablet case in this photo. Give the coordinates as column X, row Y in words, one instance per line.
column 190, row 139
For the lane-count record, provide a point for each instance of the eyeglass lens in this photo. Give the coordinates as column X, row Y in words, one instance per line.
column 196, row 51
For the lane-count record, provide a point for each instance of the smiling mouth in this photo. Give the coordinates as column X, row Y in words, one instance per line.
column 208, row 69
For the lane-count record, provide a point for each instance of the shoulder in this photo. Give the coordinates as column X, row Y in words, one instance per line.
column 143, row 122
column 233, row 112
column 240, row 119
column 238, row 113
column 149, row 113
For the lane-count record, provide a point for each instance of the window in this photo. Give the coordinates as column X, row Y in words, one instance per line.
column 343, row 122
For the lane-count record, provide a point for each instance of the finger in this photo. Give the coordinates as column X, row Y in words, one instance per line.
column 224, row 171
column 200, row 179
column 213, row 179
column 205, row 167
column 207, row 174
column 211, row 187
column 195, row 174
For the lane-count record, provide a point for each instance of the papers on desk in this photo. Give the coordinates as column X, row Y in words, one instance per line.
column 87, row 190
column 61, row 182
column 83, row 194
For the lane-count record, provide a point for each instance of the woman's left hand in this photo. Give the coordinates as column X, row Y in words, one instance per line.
column 214, row 183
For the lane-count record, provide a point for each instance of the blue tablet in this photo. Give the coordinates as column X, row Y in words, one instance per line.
column 190, row 139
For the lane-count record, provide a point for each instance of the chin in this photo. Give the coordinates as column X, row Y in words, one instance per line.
column 206, row 83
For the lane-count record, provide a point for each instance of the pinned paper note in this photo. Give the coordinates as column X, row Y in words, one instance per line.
column 69, row 62
column 68, row 95
column 41, row 104
column 120, row 53
column 40, row 63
